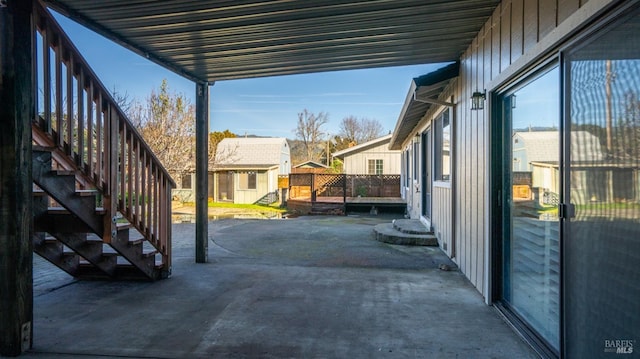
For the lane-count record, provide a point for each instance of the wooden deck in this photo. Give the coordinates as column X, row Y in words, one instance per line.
column 340, row 205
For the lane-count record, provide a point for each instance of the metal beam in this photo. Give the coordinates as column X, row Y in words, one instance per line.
column 202, row 160
column 17, row 109
column 433, row 101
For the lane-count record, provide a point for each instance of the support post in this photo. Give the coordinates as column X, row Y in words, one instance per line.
column 344, row 191
column 202, row 159
column 313, row 189
column 16, row 112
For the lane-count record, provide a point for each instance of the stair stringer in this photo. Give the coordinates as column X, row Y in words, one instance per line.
column 80, row 217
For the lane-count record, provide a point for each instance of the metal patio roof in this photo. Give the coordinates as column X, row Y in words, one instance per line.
column 208, row 40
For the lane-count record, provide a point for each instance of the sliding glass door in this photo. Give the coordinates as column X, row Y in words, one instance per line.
column 602, row 241
column 426, row 173
column 529, row 199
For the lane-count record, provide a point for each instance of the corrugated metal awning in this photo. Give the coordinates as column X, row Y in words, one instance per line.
column 423, row 93
column 219, row 40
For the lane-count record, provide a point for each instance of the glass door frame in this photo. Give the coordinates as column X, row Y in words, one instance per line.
column 426, row 175
column 501, row 159
column 613, row 14
column 617, row 15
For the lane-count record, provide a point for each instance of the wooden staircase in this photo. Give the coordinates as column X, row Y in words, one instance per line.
column 101, row 199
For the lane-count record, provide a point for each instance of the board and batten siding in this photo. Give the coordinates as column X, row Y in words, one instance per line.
column 248, row 196
column 356, row 164
column 516, row 34
column 441, row 219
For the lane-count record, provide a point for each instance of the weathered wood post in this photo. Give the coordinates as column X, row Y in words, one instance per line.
column 344, row 192
column 313, row 189
column 17, row 93
column 202, row 177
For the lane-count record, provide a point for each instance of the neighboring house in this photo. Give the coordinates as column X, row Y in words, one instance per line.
column 543, row 146
column 535, row 157
column 247, row 169
column 595, row 178
column 553, row 267
column 185, row 187
column 370, row 158
column 310, row 167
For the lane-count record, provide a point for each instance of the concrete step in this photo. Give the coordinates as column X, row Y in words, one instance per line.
column 387, row 233
column 410, row 226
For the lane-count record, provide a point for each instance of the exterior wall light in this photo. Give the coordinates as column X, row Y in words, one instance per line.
column 477, row 100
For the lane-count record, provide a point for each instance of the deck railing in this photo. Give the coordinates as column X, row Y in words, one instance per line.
column 314, row 185
column 78, row 116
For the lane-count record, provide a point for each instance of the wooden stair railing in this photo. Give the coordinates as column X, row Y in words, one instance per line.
column 81, row 132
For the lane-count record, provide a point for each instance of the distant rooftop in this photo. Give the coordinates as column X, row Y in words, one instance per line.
column 363, row 146
column 251, row 151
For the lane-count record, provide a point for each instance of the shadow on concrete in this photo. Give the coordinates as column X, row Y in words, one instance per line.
column 310, row 287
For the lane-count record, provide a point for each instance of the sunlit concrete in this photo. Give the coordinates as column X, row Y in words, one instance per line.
column 310, row 287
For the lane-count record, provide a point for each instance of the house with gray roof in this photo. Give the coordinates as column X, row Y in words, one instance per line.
column 543, row 146
column 370, row 158
column 247, row 169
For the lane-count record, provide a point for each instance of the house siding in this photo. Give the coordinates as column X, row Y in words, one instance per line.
column 442, row 220
column 356, row 164
column 254, row 155
column 442, row 216
column 518, row 32
column 516, row 37
column 252, row 195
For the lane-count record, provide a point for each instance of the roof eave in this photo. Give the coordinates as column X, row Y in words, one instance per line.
column 396, row 143
column 439, row 78
column 362, row 146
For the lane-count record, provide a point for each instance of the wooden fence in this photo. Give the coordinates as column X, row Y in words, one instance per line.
column 314, row 185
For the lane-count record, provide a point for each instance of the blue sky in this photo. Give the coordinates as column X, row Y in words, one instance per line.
column 262, row 106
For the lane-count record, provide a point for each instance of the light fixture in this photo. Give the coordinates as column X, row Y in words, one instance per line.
column 477, row 100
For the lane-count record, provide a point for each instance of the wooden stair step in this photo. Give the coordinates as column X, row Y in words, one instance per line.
column 64, row 211
column 64, row 172
column 87, row 192
column 38, row 192
column 43, row 148
column 67, row 253
column 123, row 225
column 50, row 239
column 135, row 242
column 58, row 211
column 149, row 254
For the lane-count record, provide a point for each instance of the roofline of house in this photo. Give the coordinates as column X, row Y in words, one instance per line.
column 314, row 162
column 363, row 146
column 244, row 167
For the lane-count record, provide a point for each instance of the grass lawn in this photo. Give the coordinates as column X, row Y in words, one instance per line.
column 253, row 207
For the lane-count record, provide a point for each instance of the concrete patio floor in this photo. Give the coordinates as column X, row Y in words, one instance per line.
column 309, row 287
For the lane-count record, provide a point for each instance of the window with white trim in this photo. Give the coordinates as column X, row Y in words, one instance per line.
column 247, row 180
column 416, row 159
column 375, row 167
column 442, row 147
